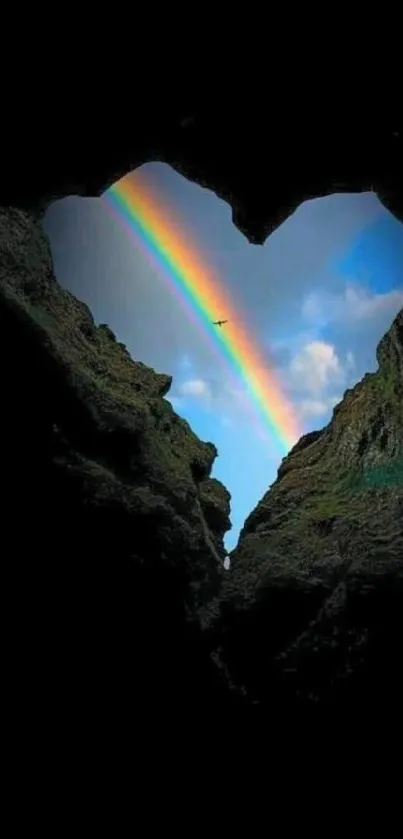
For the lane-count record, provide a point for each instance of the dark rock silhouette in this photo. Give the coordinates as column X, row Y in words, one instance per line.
column 264, row 160
column 114, row 528
column 313, row 607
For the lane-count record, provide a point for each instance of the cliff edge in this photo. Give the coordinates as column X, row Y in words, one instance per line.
column 312, row 610
column 115, row 527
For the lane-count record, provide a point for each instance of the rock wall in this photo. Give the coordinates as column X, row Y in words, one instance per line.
column 112, row 526
column 312, row 611
column 111, row 523
column 113, row 529
column 264, row 160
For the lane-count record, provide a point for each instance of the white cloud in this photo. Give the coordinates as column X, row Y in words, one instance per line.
column 318, row 407
column 198, row 388
column 317, row 375
column 313, row 407
column 354, row 303
column 315, row 367
column 229, row 400
column 195, row 387
column 361, row 304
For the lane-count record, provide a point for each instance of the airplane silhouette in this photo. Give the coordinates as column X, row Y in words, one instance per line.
column 219, row 322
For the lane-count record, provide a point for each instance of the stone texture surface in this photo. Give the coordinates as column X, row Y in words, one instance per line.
column 110, row 520
column 313, row 607
column 114, row 528
column 264, row 156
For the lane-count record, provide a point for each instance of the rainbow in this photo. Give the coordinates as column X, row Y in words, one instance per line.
column 135, row 202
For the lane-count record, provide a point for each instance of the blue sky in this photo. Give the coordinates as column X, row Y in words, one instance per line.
column 317, row 297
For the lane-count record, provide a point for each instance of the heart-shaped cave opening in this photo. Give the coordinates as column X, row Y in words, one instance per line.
column 261, row 342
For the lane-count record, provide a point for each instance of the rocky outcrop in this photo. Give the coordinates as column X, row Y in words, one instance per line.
column 112, row 527
column 264, row 160
column 95, row 464
column 312, row 610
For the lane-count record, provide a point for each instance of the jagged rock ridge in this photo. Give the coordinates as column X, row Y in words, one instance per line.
column 115, row 525
column 313, row 607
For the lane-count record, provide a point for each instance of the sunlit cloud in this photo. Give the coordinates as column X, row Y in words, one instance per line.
column 315, row 367
column 196, row 388
column 314, row 407
column 354, row 303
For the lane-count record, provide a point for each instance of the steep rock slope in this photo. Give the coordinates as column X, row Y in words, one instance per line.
column 112, row 525
column 313, row 605
column 112, row 529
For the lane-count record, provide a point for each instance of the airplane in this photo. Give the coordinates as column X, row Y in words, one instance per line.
column 219, row 322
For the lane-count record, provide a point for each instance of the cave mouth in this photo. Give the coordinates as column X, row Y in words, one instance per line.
column 311, row 303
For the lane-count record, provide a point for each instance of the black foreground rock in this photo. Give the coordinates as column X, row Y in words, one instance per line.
column 313, row 607
column 114, row 528
column 311, row 613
